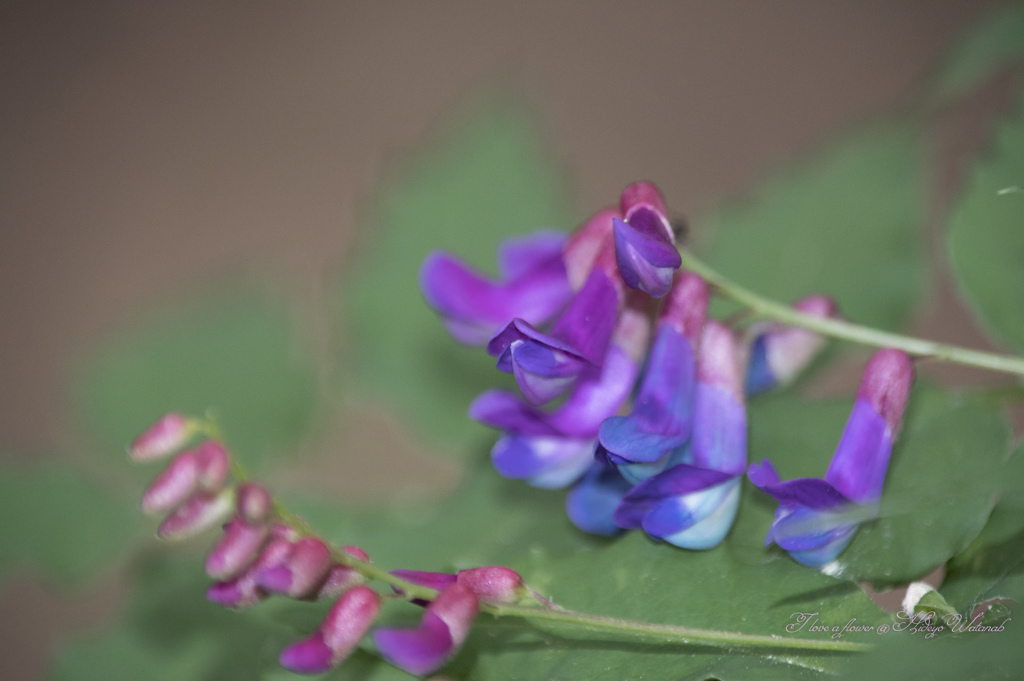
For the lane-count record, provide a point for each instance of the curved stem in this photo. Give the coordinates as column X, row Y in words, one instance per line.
column 838, row 328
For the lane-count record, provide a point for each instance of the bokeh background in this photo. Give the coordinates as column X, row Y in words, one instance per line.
column 154, row 153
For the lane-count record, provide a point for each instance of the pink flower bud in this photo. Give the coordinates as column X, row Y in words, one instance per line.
column 440, row 634
column 342, row 578
column 299, row 575
column 254, row 504
column 243, row 591
column 214, row 465
column 645, row 194
column 718, row 362
column 585, row 244
column 173, row 486
column 686, row 307
column 164, row 437
column 493, row 584
column 201, row 511
column 347, row 622
column 886, row 384
column 778, row 353
column 236, row 549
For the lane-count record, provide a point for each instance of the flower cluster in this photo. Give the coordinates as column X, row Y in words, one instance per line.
column 263, row 552
column 636, row 404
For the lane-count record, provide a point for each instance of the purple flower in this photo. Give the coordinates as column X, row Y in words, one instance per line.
column 662, row 414
column 533, row 286
column 441, row 632
column 644, row 242
column 693, row 504
column 817, row 518
column 778, row 353
column 346, row 623
column 546, row 364
column 552, row 449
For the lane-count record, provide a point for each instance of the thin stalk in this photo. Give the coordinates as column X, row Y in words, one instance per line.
column 838, row 328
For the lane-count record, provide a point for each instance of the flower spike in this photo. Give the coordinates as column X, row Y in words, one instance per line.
column 817, row 518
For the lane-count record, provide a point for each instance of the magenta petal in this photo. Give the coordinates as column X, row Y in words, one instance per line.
column 505, row 411
column 418, row 651
column 432, row 580
column 311, row 656
column 521, row 256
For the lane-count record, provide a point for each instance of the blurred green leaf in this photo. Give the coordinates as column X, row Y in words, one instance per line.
column 235, row 356
column 993, row 565
column 845, row 223
column 945, row 475
column 60, row 523
column 986, row 237
column 998, row 39
column 489, row 177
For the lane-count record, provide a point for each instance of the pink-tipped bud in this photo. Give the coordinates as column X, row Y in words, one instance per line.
column 718, row 362
column 886, row 384
column 342, row 578
column 200, row 512
column 456, row 606
column 778, row 353
column 236, row 550
column 173, row 486
column 686, row 307
column 161, row 439
column 347, row 622
column 641, row 194
column 253, row 503
column 349, row 619
column 243, row 591
column 493, row 584
column 284, row 532
column 301, row 573
column 585, row 244
column 214, row 465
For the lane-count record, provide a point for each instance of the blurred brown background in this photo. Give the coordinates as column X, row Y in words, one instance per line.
column 148, row 147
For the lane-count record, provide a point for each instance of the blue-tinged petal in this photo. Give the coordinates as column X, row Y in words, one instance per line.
column 661, row 416
column 760, row 377
column 677, row 481
column 720, row 417
column 814, row 493
column 591, row 503
column 645, row 252
column 699, row 520
column 504, row 410
column 813, row 538
column 546, row 462
column 597, row 397
column 862, row 457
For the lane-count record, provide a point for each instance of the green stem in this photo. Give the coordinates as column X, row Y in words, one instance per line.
column 838, row 328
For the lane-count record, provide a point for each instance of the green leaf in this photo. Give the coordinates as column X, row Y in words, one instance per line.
column 986, row 237
column 989, row 45
column 235, row 356
column 944, row 478
column 489, row 177
column 845, row 223
column 993, row 565
column 60, row 523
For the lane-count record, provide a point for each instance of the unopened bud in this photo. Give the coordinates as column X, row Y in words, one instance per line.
column 164, row 437
column 200, row 512
column 493, row 584
column 237, row 548
column 173, row 486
